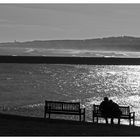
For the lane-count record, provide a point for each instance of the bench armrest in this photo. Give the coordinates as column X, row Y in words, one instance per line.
column 82, row 110
column 132, row 114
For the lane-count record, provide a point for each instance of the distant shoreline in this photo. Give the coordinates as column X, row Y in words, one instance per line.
column 70, row 60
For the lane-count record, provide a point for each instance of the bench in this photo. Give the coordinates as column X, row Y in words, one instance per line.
column 126, row 114
column 70, row 108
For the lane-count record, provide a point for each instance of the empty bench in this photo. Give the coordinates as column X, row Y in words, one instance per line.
column 69, row 108
column 126, row 114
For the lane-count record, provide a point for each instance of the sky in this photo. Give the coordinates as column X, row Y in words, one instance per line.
column 27, row 22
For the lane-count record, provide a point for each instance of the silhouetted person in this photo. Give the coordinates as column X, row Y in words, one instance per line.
column 104, row 108
column 114, row 111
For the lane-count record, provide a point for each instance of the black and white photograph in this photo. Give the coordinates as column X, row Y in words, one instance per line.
column 70, row 69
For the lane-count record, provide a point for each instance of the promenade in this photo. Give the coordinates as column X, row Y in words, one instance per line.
column 12, row 125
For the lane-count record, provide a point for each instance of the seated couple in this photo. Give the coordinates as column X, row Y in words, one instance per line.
column 110, row 109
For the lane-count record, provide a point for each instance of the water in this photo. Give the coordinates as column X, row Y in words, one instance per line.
column 25, row 87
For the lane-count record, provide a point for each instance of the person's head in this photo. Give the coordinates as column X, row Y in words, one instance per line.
column 110, row 101
column 105, row 98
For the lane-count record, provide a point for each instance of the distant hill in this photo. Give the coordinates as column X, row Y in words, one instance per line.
column 123, row 43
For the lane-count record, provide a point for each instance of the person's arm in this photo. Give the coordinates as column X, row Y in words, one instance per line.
column 100, row 107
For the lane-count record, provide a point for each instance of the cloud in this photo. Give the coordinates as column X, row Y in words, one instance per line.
column 68, row 21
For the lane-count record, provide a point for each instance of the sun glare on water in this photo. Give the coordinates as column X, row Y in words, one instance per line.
column 24, row 87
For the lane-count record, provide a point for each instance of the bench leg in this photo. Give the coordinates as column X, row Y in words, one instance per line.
column 44, row 112
column 93, row 117
column 119, row 121
column 106, row 120
column 130, row 121
column 97, row 119
column 49, row 115
column 80, row 117
column 133, row 121
column 44, row 115
column 84, row 117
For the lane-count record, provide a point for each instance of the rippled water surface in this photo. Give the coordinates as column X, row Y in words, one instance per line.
column 25, row 87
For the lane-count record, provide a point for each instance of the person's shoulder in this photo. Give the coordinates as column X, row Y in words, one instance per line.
column 102, row 103
column 116, row 104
